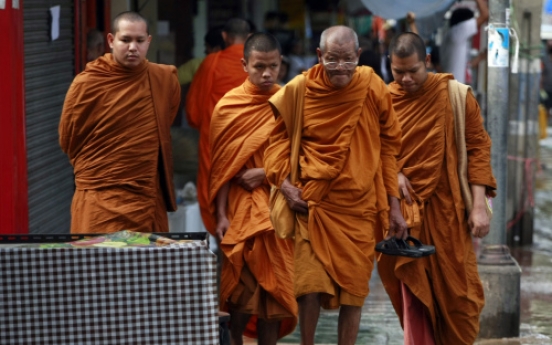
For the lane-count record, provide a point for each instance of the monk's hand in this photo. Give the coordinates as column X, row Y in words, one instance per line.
column 293, row 197
column 222, row 226
column 250, row 179
column 479, row 222
column 410, row 17
column 397, row 224
column 405, row 187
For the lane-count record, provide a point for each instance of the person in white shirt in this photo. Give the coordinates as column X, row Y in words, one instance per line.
column 456, row 43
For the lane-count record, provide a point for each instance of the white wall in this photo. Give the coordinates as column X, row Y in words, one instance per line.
column 200, row 28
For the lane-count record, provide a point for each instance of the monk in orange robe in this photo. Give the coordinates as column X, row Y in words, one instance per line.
column 350, row 137
column 218, row 73
column 257, row 268
column 115, row 128
column 438, row 298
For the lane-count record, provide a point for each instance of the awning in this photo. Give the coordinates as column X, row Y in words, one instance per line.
column 397, row 9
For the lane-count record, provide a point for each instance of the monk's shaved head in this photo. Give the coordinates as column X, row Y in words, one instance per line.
column 128, row 16
column 338, row 34
column 261, row 42
column 406, row 44
column 237, row 28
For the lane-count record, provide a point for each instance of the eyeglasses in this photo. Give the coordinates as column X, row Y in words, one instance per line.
column 333, row 65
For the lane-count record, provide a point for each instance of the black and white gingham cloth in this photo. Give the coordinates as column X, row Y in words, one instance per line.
column 103, row 296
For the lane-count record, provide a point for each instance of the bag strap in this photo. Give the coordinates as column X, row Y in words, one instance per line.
column 295, row 140
column 457, row 94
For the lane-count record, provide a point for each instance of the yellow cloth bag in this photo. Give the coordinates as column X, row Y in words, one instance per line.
column 457, row 95
column 281, row 216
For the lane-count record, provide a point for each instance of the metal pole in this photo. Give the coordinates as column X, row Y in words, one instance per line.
column 497, row 121
column 532, row 128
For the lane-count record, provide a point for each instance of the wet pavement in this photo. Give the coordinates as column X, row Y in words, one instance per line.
column 380, row 326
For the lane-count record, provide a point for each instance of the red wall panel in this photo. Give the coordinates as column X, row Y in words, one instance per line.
column 13, row 158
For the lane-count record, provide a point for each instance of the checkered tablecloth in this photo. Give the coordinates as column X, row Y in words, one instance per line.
column 134, row 296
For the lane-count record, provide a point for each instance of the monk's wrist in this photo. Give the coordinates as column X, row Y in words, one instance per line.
column 220, row 215
column 285, row 183
column 393, row 201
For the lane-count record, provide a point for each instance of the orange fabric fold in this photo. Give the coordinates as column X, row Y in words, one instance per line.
column 350, row 138
column 218, row 73
column 240, row 128
column 115, row 128
column 447, row 283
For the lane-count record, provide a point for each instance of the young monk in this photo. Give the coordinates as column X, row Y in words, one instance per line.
column 218, row 73
column 257, row 267
column 115, row 128
column 437, row 298
column 350, row 137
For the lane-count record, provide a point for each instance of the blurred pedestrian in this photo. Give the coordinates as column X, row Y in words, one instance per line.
column 213, row 43
column 455, row 46
column 94, row 45
column 389, row 32
column 370, row 56
column 218, row 73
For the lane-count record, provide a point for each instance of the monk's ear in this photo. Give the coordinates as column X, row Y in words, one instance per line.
column 244, row 63
column 110, row 39
column 428, row 61
column 319, row 54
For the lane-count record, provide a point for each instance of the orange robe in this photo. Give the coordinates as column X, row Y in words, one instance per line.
column 115, row 128
column 350, row 138
column 447, row 283
column 240, row 127
column 218, row 73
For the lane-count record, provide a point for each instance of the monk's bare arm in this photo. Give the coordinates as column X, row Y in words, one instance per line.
column 411, row 21
column 397, row 224
column 404, row 188
column 483, row 12
column 221, row 204
column 250, row 179
column 278, row 167
column 478, row 220
column 480, row 177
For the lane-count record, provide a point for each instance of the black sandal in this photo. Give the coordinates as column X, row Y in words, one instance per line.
column 399, row 247
column 426, row 249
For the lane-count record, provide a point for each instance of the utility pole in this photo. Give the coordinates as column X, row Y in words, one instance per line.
column 498, row 270
column 498, row 114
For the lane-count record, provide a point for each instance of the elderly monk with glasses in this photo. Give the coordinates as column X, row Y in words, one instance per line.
column 347, row 185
